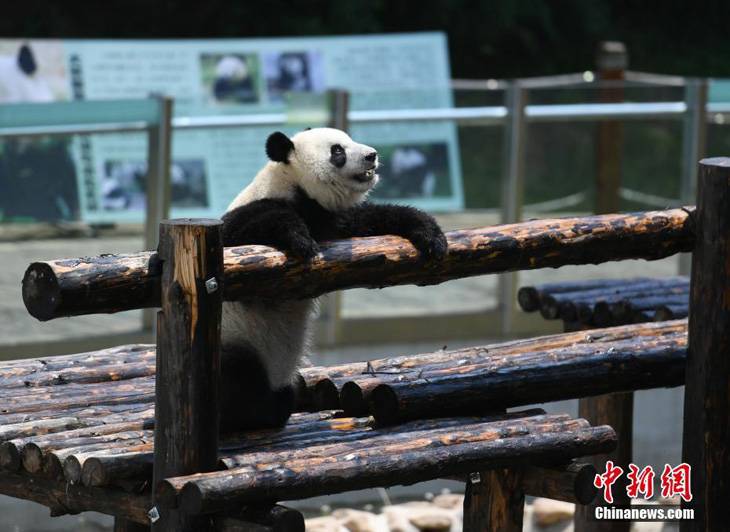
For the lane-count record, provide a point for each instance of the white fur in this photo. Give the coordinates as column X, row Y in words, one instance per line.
column 17, row 87
column 280, row 330
column 310, row 168
column 231, row 67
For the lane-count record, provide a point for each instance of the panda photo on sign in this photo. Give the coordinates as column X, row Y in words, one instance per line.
column 313, row 189
column 233, row 81
column 20, row 81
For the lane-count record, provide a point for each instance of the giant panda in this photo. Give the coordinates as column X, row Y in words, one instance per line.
column 19, row 78
column 313, row 189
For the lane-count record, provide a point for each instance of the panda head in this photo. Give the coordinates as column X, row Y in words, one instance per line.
column 332, row 169
column 232, row 68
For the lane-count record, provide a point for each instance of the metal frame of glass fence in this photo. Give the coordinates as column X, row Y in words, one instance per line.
column 60, row 119
column 154, row 116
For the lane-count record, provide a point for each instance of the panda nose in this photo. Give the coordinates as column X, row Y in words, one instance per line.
column 370, row 157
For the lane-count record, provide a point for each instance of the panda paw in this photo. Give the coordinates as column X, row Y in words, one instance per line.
column 304, row 248
column 431, row 243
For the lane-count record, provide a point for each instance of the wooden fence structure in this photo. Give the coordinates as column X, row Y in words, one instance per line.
column 201, row 483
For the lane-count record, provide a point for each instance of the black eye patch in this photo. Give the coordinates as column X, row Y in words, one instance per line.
column 338, row 156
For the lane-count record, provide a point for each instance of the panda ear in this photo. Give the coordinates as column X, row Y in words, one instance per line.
column 278, row 147
column 26, row 61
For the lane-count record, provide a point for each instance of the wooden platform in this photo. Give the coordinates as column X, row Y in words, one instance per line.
column 77, row 434
column 608, row 302
column 86, row 422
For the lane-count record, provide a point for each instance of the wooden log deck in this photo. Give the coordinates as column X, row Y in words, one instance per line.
column 77, row 434
column 87, row 421
column 608, row 302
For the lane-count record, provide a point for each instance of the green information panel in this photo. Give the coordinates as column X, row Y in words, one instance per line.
column 104, row 175
column 719, row 91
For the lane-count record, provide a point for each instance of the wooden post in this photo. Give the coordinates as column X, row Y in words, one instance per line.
column 612, row 60
column 706, row 403
column 122, row 525
column 494, row 501
column 188, row 357
column 616, row 410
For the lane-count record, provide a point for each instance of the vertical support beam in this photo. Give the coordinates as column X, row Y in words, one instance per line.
column 331, row 304
column 611, row 62
column 694, row 146
column 617, row 411
column 339, row 101
column 707, row 389
column 159, row 153
column 122, row 525
column 494, row 501
column 513, row 186
column 188, row 357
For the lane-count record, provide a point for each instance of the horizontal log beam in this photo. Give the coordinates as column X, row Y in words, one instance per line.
column 572, row 482
column 112, row 283
column 63, row 498
column 276, row 518
column 671, row 312
column 209, row 492
column 534, row 377
column 400, row 364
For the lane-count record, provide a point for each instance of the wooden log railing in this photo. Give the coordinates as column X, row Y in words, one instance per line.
column 113, row 283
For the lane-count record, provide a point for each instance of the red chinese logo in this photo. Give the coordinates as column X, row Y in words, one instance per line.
column 607, row 479
column 676, row 481
column 640, row 481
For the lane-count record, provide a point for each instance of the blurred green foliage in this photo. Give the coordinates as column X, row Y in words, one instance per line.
column 487, row 38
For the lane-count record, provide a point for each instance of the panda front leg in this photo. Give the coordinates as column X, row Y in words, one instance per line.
column 247, row 400
column 269, row 223
column 369, row 219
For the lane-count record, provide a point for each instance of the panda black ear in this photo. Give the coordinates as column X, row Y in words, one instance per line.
column 26, row 61
column 278, row 147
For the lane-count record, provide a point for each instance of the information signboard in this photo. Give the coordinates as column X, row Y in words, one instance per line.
column 420, row 161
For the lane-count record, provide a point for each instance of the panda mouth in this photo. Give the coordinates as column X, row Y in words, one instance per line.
column 365, row 176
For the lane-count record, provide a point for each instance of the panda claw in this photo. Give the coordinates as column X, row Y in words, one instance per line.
column 432, row 246
column 306, row 250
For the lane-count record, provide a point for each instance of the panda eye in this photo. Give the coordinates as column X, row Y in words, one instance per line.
column 337, row 150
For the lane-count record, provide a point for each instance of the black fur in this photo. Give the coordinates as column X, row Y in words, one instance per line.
column 247, row 401
column 338, row 156
column 26, row 60
column 296, row 226
column 278, row 147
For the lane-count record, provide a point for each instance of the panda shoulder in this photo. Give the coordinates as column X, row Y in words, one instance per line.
column 269, row 183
